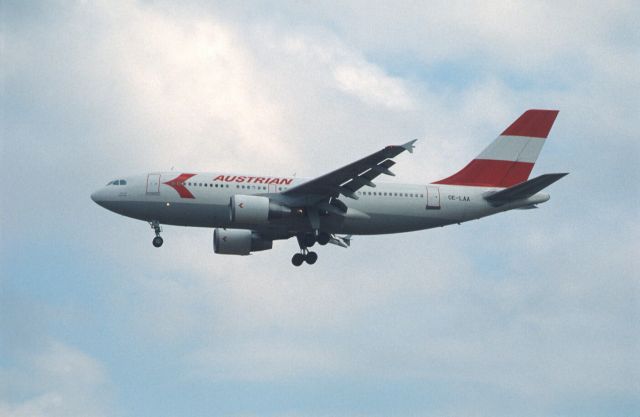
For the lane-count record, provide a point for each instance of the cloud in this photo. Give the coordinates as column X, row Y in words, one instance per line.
column 522, row 305
column 58, row 381
column 372, row 86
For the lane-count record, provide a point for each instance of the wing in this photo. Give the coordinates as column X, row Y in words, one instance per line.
column 350, row 178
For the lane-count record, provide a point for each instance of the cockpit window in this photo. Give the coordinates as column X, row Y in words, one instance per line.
column 117, row 182
column 122, row 182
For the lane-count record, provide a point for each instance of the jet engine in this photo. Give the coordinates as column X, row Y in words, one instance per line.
column 238, row 242
column 253, row 209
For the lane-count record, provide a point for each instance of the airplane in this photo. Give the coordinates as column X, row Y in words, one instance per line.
column 249, row 212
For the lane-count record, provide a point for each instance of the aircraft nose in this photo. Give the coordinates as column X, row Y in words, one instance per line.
column 98, row 196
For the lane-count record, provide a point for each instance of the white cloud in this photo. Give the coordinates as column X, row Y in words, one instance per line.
column 526, row 308
column 525, row 37
column 373, row 86
column 59, row 381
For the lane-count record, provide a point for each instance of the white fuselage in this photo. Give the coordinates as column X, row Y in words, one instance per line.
column 203, row 200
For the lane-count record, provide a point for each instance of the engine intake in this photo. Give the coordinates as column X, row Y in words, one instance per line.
column 253, row 209
column 238, row 242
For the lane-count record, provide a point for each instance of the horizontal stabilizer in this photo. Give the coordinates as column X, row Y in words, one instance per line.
column 523, row 190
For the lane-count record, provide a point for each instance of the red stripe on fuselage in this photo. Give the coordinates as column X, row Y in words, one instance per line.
column 532, row 123
column 176, row 184
column 490, row 173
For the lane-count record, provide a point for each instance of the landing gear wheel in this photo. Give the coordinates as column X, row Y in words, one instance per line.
column 155, row 225
column 311, row 258
column 323, row 238
column 297, row 259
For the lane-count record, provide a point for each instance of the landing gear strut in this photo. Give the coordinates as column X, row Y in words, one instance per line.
column 305, row 241
column 157, row 241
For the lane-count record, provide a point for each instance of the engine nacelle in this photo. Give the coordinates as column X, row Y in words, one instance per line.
column 253, row 209
column 238, row 242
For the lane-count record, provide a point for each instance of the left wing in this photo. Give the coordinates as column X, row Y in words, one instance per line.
column 350, row 178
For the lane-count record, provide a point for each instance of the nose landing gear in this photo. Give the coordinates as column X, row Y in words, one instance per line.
column 157, row 241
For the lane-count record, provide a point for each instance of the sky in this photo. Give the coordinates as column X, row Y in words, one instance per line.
column 529, row 313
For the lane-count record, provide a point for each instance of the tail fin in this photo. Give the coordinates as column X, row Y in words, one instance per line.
column 510, row 158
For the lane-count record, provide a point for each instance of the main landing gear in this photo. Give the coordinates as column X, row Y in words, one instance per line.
column 304, row 256
column 157, row 241
column 305, row 241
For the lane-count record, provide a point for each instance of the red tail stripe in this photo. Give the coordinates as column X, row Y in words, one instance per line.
column 490, row 173
column 532, row 123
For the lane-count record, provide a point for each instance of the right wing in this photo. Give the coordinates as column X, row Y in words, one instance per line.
column 348, row 179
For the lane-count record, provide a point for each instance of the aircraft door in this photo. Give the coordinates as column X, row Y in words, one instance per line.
column 273, row 188
column 153, row 184
column 433, row 198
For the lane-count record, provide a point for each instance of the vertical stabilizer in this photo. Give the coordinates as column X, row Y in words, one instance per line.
column 509, row 159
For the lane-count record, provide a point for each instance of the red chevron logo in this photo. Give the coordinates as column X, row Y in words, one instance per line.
column 177, row 182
